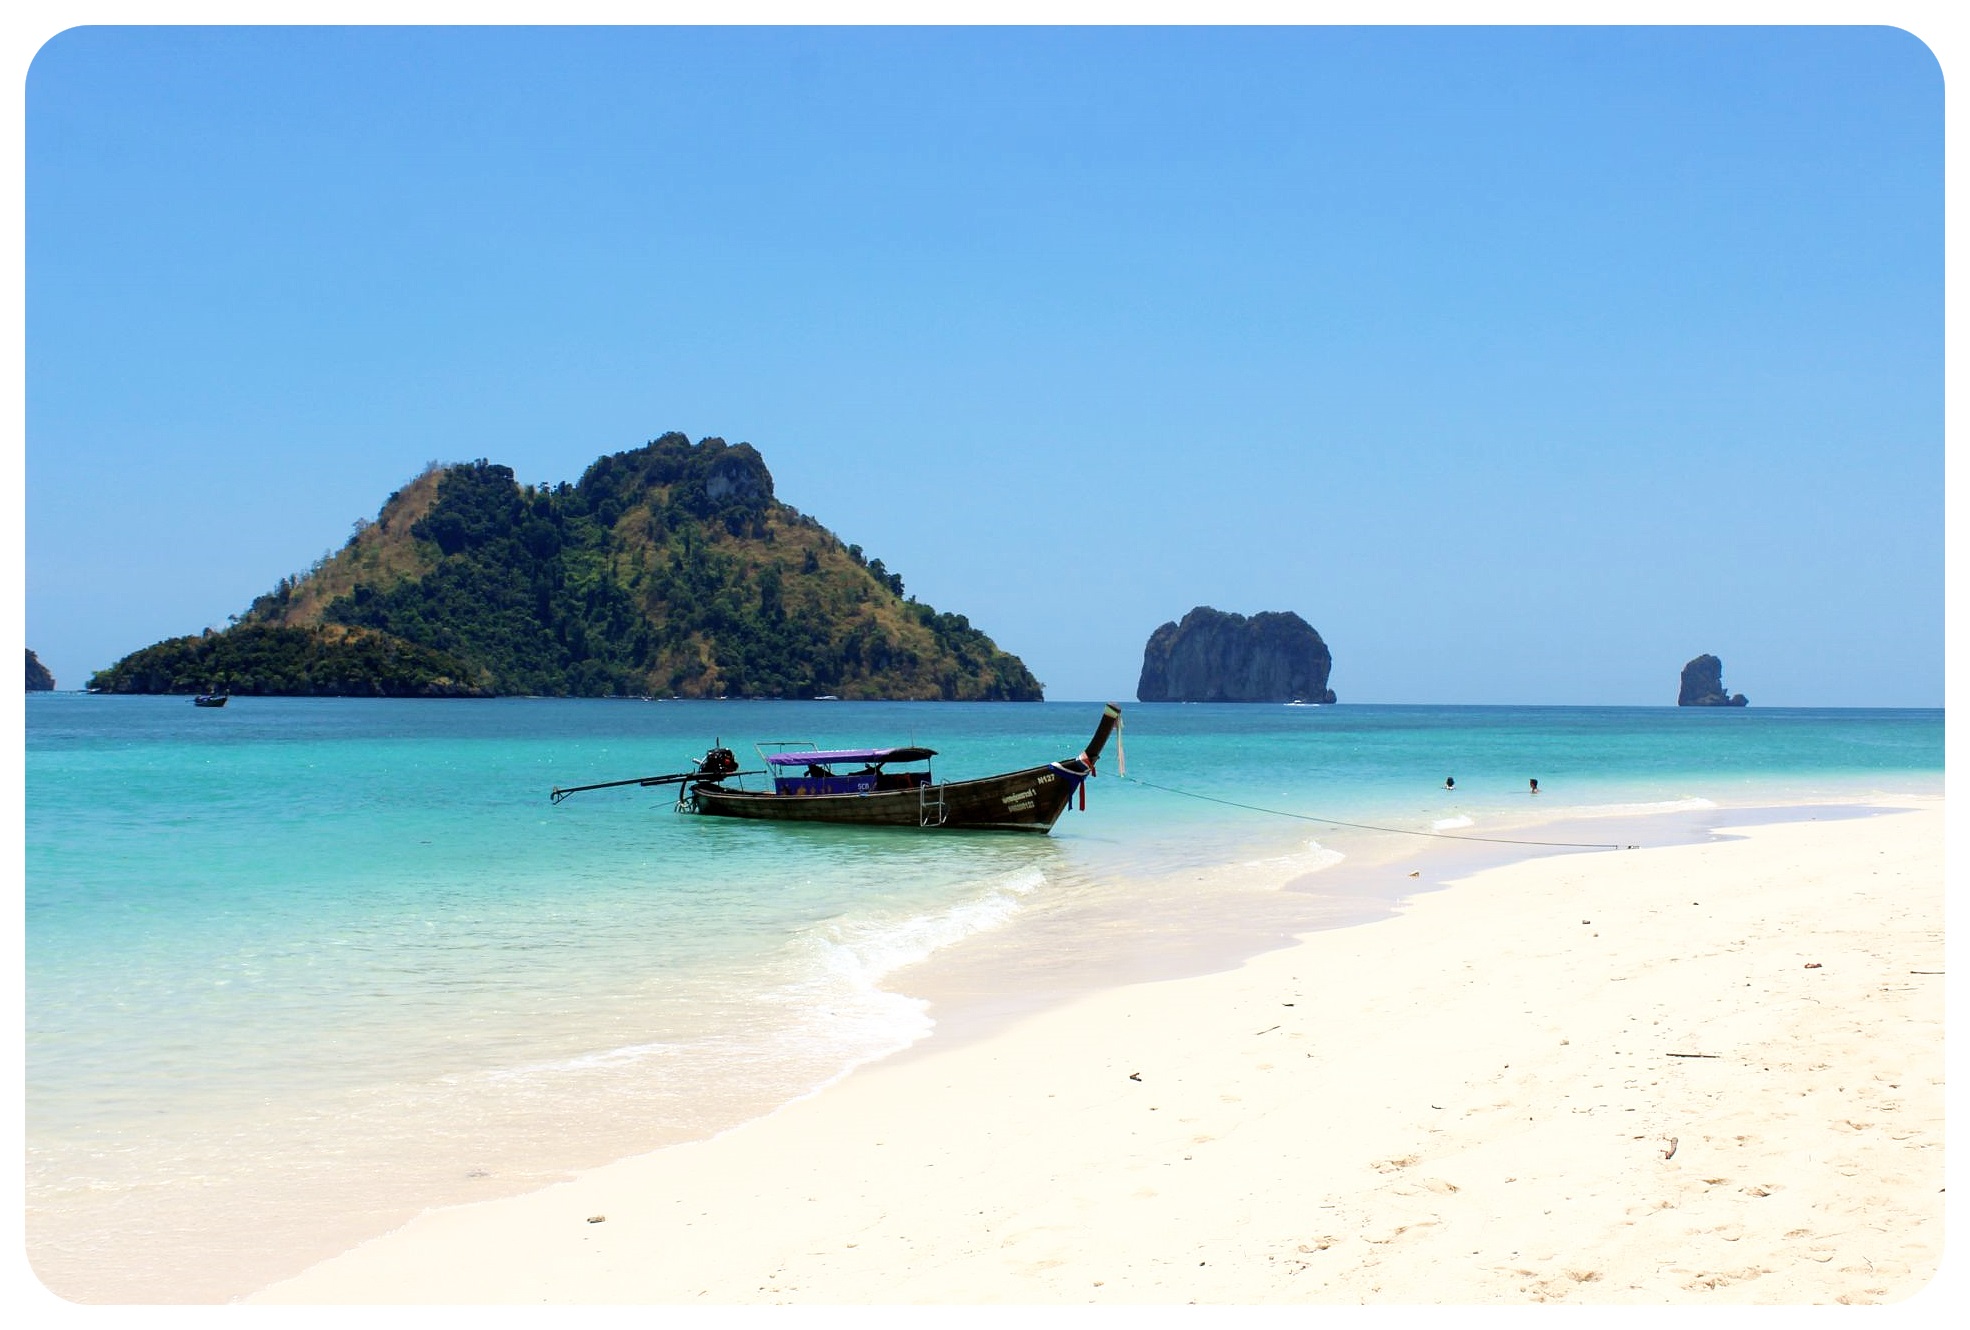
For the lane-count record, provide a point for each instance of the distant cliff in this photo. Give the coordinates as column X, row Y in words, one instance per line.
column 38, row 678
column 670, row 569
column 1703, row 685
column 1213, row 656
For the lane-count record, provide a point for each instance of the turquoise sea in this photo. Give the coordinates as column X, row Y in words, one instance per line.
column 299, row 968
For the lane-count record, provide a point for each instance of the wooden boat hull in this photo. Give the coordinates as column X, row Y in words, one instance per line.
column 1030, row 800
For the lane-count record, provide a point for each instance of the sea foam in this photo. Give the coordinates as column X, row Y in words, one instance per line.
column 1688, row 804
column 837, row 997
column 864, row 951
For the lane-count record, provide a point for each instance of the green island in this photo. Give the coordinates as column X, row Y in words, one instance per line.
column 670, row 570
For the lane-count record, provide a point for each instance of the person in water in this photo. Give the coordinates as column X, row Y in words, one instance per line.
column 1449, row 782
column 1535, row 784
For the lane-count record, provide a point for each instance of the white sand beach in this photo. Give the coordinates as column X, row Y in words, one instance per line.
column 1703, row 1074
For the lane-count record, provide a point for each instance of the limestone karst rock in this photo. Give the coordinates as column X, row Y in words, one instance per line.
column 1703, row 685
column 1212, row 656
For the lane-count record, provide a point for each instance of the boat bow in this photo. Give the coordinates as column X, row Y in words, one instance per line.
column 1111, row 721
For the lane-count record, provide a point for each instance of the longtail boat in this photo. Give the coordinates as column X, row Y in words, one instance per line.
column 209, row 700
column 811, row 784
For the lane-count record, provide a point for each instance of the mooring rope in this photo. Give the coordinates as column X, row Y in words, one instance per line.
column 1362, row 826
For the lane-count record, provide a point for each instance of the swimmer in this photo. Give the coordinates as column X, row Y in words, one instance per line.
column 1535, row 784
column 1449, row 782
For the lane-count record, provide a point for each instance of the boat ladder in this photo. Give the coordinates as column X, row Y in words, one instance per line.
column 930, row 812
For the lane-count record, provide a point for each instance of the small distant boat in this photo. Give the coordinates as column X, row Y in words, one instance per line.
column 810, row 785
column 209, row 700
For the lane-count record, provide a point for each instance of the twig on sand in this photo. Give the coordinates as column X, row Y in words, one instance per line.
column 1670, row 1153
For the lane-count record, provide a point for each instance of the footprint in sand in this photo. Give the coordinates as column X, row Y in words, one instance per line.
column 1722, row 1278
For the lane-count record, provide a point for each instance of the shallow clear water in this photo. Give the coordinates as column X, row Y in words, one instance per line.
column 299, row 967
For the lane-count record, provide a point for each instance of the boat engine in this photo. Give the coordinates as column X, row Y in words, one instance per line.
column 718, row 764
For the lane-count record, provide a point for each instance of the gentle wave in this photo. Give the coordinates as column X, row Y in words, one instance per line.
column 1452, row 823
column 1687, row 804
column 864, row 951
column 608, row 1057
column 1309, row 858
column 839, row 1000
column 828, row 994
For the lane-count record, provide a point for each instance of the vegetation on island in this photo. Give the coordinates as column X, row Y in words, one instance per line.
column 268, row 659
column 668, row 570
column 38, row 678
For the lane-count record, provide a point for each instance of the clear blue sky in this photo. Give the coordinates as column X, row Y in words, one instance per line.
column 1525, row 364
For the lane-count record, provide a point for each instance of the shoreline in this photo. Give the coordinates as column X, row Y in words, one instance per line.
column 966, row 986
column 1195, row 914
column 522, row 1248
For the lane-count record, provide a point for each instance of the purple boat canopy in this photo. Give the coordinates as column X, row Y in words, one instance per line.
column 877, row 756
